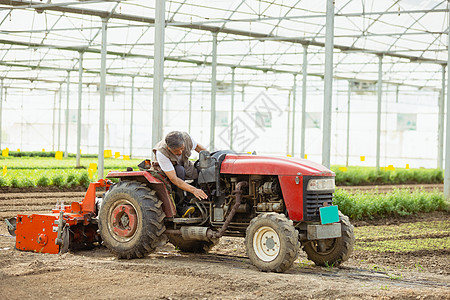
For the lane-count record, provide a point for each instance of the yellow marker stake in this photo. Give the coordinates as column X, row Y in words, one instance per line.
column 93, row 166
column 343, row 169
column 90, row 173
column 43, row 150
column 362, row 158
column 5, row 170
column 107, row 153
column 407, row 166
column 390, row 168
column 59, row 155
column 5, row 152
column 18, row 150
column 126, row 157
column 116, row 154
column 306, row 156
column 288, row 155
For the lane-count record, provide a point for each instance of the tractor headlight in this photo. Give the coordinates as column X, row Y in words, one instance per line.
column 321, row 184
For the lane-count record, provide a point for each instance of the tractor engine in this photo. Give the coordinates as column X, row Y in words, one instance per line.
column 268, row 195
column 262, row 195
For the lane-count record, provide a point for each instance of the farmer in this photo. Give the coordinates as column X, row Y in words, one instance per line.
column 172, row 157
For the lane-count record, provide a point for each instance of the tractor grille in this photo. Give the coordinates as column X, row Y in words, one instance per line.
column 315, row 200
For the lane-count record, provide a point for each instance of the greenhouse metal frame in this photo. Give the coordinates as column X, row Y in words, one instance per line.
column 154, row 45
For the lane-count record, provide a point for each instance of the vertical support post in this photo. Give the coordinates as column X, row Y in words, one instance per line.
column 447, row 134
column 1, row 111
column 328, row 84
column 80, row 92
column 349, row 93
column 397, row 92
column 190, row 106
column 379, row 94
column 131, row 117
column 53, row 125
column 304, row 79
column 158, row 72
column 233, row 69
column 213, row 92
column 66, row 153
column 288, row 122
column 59, row 117
column 440, row 160
column 294, row 102
column 101, row 126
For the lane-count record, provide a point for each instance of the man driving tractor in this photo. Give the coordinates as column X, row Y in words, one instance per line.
column 172, row 157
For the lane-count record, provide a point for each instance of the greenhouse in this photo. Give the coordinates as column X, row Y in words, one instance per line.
column 242, row 75
column 183, row 149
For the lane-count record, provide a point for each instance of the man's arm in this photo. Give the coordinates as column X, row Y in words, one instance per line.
column 199, row 148
column 198, row 193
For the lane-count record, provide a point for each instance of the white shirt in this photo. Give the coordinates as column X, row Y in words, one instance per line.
column 165, row 163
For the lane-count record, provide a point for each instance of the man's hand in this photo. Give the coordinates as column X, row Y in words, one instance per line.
column 199, row 148
column 199, row 194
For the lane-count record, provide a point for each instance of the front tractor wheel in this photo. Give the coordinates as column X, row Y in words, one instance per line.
column 332, row 252
column 272, row 242
column 131, row 220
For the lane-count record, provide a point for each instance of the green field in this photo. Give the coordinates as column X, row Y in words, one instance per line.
column 399, row 202
column 405, row 237
column 46, row 171
column 28, row 171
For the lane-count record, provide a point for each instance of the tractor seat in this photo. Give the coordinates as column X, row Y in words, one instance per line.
column 210, row 170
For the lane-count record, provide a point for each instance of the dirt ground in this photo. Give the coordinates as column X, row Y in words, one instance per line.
column 224, row 273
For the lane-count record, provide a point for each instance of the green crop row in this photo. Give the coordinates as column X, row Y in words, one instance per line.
column 43, row 154
column 33, row 163
column 32, row 178
column 400, row 202
column 370, row 176
column 352, row 176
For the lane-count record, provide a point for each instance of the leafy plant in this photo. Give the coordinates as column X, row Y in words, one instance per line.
column 58, row 180
column 43, row 181
column 71, row 180
column 26, row 182
column 84, row 180
column 15, row 182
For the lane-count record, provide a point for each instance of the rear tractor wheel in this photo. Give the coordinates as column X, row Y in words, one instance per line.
column 131, row 220
column 272, row 242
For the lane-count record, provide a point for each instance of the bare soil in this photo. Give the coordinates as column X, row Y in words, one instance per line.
column 224, row 273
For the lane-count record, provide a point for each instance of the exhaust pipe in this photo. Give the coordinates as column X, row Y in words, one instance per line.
column 238, row 192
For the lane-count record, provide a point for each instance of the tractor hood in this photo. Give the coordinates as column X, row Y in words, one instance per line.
column 267, row 165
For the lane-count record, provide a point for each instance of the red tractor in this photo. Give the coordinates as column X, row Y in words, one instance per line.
column 277, row 204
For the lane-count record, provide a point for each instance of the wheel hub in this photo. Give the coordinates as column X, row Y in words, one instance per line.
column 124, row 220
column 266, row 243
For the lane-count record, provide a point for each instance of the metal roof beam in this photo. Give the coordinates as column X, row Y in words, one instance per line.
column 337, row 77
column 121, row 54
column 2, row 63
column 119, row 16
column 348, row 15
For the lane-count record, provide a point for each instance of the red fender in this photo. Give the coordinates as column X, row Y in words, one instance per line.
column 154, row 183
